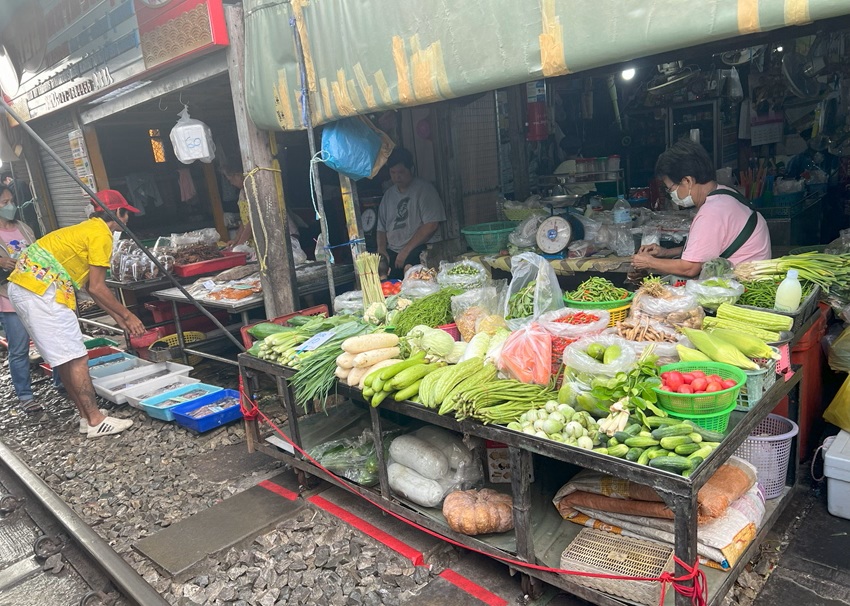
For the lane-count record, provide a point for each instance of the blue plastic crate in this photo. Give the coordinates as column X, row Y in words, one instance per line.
column 210, row 421
column 127, row 362
column 156, row 407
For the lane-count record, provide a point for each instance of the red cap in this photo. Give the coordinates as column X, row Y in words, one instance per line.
column 113, row 201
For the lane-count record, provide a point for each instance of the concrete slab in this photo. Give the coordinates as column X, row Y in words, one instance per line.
column 789, row 587
column 184, row 544
column 229, row 462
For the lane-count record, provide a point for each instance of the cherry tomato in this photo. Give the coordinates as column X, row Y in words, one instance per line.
column 698, row 373
column 699, row 384
column 664, row 387
column 713, row 386
column 674, row 383
column 728, row 383
column 685, row 389
column 687, row 378
column 714, row 379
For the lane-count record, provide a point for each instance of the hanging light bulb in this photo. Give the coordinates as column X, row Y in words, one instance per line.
column 779, row 49
column 628, row 74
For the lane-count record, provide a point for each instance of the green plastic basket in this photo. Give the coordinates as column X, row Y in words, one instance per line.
column 606, row 305
column 702, row 403
column 717, row 421
column 488, row 238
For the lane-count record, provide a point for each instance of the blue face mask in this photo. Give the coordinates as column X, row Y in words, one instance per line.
column 8, row 212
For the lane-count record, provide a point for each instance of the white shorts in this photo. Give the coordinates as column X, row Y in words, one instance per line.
column 53, row 327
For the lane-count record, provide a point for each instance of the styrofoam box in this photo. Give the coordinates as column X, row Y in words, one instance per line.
column 105, row 386
column 836, row 468
column 140, row 392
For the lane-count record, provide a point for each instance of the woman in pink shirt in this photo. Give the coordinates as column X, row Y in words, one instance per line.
column 724, row 226
column 15, row 236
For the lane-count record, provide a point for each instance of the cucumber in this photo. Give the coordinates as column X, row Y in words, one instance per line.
column 671, row 442
column 655, row 452
column 407, row 392
column 390, row 371
column 613, row 442
column 674, row 464
column 687, row 449
column 702, row 453
column 601, row 450
column 619, row 451
column 622, row 436
column 641, row 442
column 695, row 437
column 681, row 429
column 368, row 392
column 379, row 397
column 655, row 422
column 633, row 429
column 647, row 452
column 707, row 435
column 634, row 454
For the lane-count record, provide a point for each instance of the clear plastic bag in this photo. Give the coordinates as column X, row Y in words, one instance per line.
column 469, row 308
column 716, row 268
column 582, row 366
column 192, row 140
column 349, row 302
column 839, row 352
column 464, row 274
column 677, row 308
column 419, row 281
column 549, row 323
column 209, row 236
column 525, row 234
column 711, row 293
column 354, row 459
column 543, row 295
column 526, row 355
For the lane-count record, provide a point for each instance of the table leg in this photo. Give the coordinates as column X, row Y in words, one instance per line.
column 685, row 523
column 180, row 341
column 252, row 426
column 377, row 435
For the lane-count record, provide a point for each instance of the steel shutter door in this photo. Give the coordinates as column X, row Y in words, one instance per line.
column 69, row 202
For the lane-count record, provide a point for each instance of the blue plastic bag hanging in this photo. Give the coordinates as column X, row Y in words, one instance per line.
column 352, row 147
column 192, row 140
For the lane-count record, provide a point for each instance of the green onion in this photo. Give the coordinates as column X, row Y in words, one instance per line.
column 818, row 268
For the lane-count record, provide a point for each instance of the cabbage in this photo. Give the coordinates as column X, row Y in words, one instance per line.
column 497, row 341
column 477, row 347
column 436, row 343
column 458, row 351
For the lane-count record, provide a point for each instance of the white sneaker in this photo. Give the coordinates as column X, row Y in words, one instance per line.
column 108, row 427
column 84, row 425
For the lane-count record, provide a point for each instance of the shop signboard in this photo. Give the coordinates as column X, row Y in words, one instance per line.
column 58, row 52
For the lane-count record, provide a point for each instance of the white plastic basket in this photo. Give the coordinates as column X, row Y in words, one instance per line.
column 768, row 448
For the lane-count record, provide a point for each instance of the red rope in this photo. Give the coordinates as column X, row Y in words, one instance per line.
column 697, row 589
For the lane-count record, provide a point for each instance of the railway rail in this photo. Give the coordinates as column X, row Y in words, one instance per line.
column 49, row 555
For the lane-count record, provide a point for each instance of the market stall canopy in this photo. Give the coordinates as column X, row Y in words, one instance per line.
column 379, row 54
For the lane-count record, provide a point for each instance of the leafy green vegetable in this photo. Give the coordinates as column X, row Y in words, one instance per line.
column 637, row 384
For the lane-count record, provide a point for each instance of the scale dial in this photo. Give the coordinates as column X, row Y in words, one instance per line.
column 554, row 235
column 369, row 218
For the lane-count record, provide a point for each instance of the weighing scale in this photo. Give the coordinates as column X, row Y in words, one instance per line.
column 556, row 233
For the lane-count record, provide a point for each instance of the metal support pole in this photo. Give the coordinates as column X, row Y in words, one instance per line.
column 311, row 138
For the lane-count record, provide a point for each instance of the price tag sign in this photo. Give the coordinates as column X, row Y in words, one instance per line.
column 783, row 365
column 209, row 284
column 317, row 340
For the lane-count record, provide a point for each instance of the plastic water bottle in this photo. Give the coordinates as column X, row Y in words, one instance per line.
column 622, row 212
column 789, row 293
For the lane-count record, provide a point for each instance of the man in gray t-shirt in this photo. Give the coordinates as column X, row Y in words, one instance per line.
column 409, row 215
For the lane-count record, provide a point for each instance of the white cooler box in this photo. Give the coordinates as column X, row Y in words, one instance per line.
column 836, row 468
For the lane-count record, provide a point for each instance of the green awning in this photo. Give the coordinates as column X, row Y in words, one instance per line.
column 370, row 55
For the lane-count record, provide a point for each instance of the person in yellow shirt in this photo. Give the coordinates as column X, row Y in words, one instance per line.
column 42, row 289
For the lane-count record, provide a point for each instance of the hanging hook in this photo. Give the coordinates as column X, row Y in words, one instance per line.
column 185, row 105
column 161, row 108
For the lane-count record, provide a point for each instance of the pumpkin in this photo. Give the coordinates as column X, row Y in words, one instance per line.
column 473, row 512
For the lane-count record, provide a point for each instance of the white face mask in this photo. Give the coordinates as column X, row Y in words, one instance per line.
column 686, row 202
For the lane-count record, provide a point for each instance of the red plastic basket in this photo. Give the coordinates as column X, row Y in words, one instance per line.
column 318, row 310
column 452, row 329
column 230, row 259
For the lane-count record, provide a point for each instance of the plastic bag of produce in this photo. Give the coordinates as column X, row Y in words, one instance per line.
column 667, row 304
column 464, row 274
column 712, row 292
column 354, row 459
column 716, row 268
column 533, row 290
column 604, row 355
column 574, row 323
column 839, row 352
column 471, row 307
column 349, row 302
column 419, row 281
column 525, row 234
column 526, row 355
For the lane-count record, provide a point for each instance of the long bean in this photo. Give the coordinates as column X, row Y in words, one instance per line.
column 521, row 303
column 597, row 290
column 762, row 293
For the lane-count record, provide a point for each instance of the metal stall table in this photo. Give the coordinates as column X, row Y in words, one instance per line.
column 543, row 541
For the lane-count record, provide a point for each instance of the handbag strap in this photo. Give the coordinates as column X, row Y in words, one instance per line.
column 749, row 227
